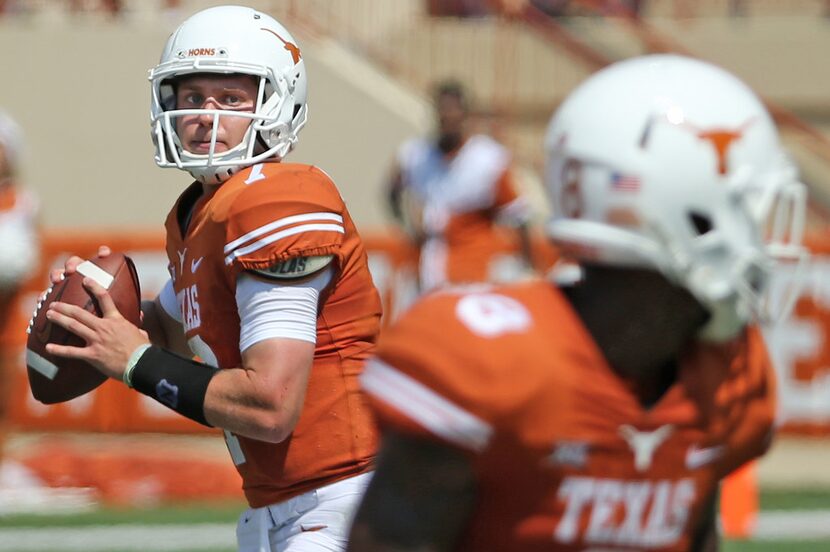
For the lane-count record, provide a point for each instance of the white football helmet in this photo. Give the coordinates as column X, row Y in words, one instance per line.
column 671, row 163
column 231, row 40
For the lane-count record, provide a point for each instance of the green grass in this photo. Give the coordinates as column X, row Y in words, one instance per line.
column 801, row 499
column 184, row 513
column 227, row 512
column 180, row 514
column 785, row 499
column 775, row 546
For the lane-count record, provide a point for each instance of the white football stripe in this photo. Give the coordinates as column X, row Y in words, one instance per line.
column 282, row 234
column 98, row 274
column 40, row 364
column 792, row 525
column 423, row 405
column 279, row 223
column 105, row 538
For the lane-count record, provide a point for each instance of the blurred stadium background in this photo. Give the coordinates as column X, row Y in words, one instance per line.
column 111, row 471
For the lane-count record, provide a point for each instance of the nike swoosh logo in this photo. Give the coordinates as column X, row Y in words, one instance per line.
column 697, row 457
column 194, row 264
column 310, row 528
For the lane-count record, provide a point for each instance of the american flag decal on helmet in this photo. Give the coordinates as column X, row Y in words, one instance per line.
column 625, row 183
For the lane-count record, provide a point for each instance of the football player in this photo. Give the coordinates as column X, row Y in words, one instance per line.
column 600, row 415
column 455, row 195
column 269, row 286
column 19, row 250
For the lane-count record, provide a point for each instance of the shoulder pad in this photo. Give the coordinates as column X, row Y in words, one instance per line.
column 295, row 267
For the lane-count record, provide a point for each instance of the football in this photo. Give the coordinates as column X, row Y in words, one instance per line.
column 55, row 379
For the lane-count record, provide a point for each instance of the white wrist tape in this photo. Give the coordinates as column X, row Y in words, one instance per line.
column 134, row 358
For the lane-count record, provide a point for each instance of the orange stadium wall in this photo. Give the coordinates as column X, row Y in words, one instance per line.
column 799, row 346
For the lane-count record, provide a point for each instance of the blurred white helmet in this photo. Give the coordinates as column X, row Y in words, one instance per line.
column 231, row 40
column 671, row 163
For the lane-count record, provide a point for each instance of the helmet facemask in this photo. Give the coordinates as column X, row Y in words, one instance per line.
column 780, row 211
column 229, row 41
column 269, row 136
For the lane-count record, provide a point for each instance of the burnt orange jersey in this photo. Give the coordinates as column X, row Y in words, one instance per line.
column 565, row 455
column 458, row 201
column 262, row 216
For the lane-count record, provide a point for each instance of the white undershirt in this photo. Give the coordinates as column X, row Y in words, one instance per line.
column 268, row 309
column 168, row 301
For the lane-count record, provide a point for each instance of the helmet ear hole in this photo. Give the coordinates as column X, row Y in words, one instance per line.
column 701, row 223
column 167, row 93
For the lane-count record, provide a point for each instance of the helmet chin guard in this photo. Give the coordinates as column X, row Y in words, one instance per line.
column 673, row 164
column 229, row 40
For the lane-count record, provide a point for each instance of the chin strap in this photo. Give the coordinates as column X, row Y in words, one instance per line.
column 214, row 175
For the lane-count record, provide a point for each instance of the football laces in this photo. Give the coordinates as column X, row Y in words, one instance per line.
column 39, row 305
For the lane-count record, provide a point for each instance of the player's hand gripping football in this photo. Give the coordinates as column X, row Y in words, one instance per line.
column 110, row 339
column 71, row 265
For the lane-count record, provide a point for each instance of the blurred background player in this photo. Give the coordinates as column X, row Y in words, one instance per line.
column 19, row 251
column 456, row 197
column 269, row 286
column 602, row 414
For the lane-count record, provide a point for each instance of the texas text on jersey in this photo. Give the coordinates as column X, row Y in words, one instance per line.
column 565, row 456
column 277, row 220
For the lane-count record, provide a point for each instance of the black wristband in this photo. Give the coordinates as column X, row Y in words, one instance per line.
column 176, row 382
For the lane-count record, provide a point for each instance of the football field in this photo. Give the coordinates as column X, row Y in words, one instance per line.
column 791, row 520
column 206, row 527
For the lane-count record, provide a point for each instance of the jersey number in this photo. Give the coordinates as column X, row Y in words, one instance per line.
column 490, row 315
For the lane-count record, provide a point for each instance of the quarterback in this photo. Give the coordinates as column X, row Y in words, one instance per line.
column 19, row 249
column 600, row 414
column 269, row 286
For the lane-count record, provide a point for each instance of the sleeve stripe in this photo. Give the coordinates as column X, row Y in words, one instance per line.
column 424, row 406
column 279, row 223
column 259, row 244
